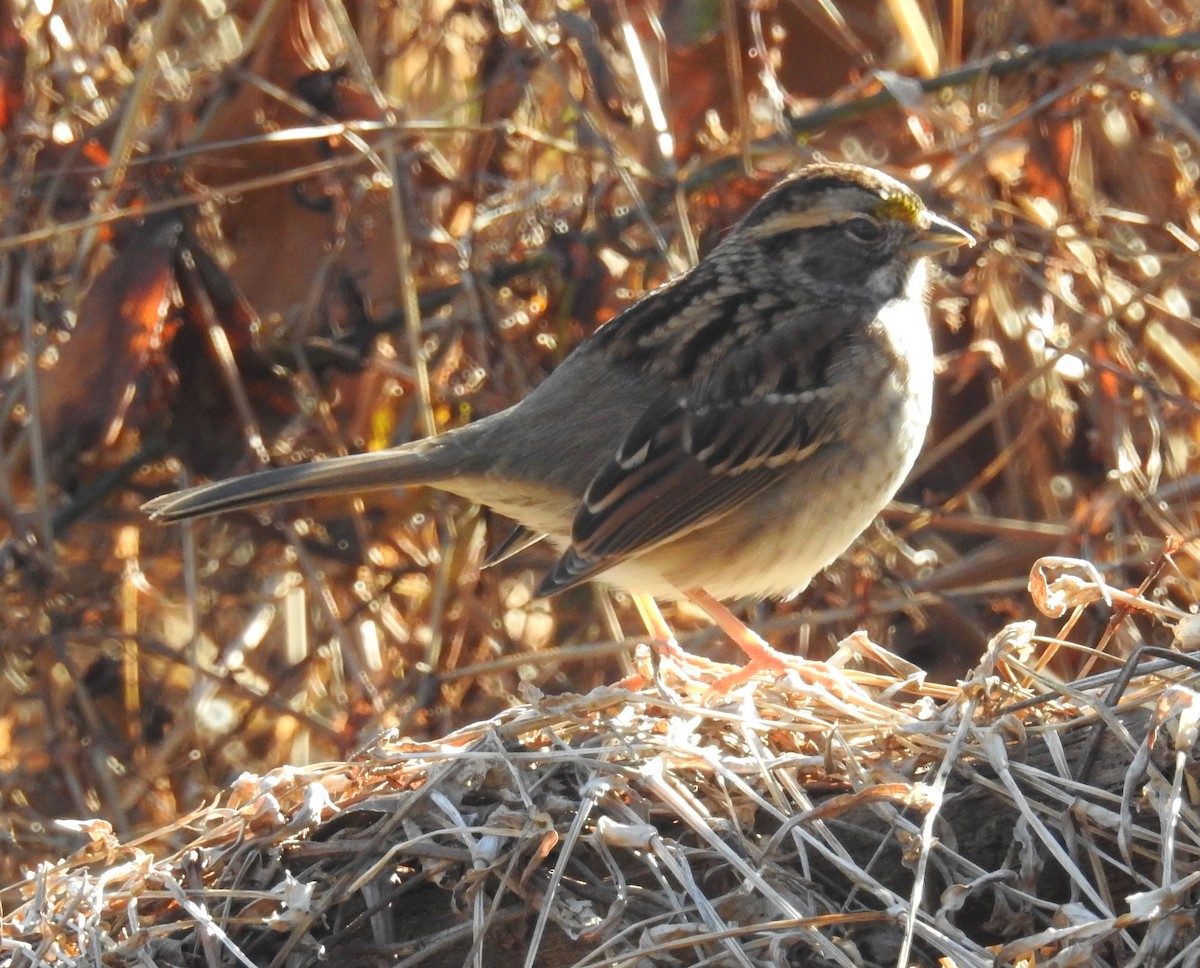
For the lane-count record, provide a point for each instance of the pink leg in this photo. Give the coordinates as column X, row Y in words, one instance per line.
column 762, row 658
column 656, row 625
column 660, row 632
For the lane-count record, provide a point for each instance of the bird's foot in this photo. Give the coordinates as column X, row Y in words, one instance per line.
column 765, row 661
column 761, row 658
column 666, row 650
column 715, row 679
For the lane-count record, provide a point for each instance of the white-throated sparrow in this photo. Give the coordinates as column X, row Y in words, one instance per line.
column 731, row 433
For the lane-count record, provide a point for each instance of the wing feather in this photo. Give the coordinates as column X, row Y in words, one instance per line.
column 705, row 448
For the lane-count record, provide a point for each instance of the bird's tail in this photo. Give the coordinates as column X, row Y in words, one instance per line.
column 375, row 471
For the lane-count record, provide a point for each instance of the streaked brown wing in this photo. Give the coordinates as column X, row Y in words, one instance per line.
column 681, row 467
column 752, row 390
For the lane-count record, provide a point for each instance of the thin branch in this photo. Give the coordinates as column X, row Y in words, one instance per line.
column 1000, row 65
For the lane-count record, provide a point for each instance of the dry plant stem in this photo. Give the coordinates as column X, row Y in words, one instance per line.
column 1137, row 602
column 954, row 36
column 911, row 23
column 128, row 131
column 733, row 65
column 187, row 200
column 37, row 446
column 1121, row 680
column 218, row 341
column 620, row 164
column 1000, row 65
column 408, row 290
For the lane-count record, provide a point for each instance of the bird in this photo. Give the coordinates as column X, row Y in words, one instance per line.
column 726, row 436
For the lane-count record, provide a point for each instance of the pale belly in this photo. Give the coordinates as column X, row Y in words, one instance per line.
column 774, row 545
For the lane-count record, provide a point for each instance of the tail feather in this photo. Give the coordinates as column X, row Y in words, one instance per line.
column 375, row 471
column 570, row 570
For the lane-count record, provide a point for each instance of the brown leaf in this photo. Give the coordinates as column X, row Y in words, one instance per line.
column 227, row 394
column 13, row 48
column 123, row 318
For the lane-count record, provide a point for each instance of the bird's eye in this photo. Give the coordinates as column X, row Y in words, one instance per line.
column 863, row 229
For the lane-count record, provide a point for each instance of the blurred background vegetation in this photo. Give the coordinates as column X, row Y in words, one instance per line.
column 259, row 232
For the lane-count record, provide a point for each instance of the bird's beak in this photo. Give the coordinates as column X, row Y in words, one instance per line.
column 941, row 235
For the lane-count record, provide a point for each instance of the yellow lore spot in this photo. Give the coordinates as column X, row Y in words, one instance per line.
column 902, row 207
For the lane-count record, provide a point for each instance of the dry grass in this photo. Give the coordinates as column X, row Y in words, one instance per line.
column 900, row 823
column 288, row 230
